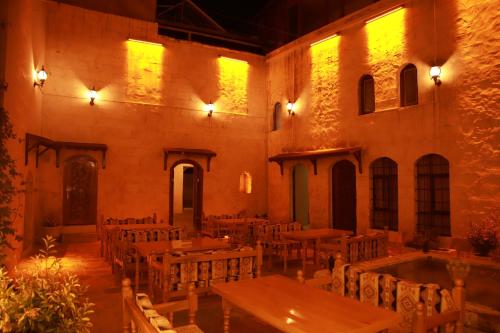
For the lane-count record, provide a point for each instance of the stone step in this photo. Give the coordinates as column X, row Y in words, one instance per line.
column 81, row 237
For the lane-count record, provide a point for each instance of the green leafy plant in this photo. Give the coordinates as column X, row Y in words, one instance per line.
column 44, row 298
column 7, row 188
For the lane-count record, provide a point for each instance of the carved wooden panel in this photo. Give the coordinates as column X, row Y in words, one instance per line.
column 80, row 191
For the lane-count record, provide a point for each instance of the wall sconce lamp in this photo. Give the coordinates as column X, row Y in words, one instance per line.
column 435, row 73
column 290, row 106
column 92, row 95
column 210, row 107
column 40, row 78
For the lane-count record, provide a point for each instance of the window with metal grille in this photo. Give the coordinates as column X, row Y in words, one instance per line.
column 384, row 194
column 366, row 94
column 433, row 195
column 277, row 116
column 408, row 85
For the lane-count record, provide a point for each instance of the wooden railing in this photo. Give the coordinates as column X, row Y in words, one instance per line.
column 357, row 248
column 423, row 307
column 169, row 276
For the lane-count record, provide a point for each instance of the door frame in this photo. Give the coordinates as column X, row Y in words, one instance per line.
column 197, row 193
column 293, row 193
column 94, row 189
column 332, row 198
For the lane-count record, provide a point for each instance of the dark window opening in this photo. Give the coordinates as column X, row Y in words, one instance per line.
column 384, row 194
column 277, row 116
column 408, row 85
column 433, row 195
column 366, row 94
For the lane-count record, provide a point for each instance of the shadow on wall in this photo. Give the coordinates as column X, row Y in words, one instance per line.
column 440, row 33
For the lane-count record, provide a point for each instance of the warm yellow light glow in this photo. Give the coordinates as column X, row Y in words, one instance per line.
column 324, row 39
column 144, row 72
column 386, row 38
column 435, row 71
column 391, row 11
column 233, row 83
column 210, row 108
column 291, row 108
column 324, row 107
column 39, row 77
column 144, row 42
column 232, row 59
column 92, row 94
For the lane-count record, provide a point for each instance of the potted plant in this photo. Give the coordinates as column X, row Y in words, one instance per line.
column 52, row 226
column 43, row 297
column 483, row 235
column 425, row 240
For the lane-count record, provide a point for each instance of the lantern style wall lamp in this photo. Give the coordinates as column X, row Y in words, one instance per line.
column 92, row 95
column 290, row 106
column 210, row 108
column 435, row 73
column 40, row 77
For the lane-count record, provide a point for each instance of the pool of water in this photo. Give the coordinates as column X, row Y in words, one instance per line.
column 482, row 285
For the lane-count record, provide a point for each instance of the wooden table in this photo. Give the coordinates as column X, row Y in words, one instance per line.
column 144, row 249
column 298, row 308
column 315, row 236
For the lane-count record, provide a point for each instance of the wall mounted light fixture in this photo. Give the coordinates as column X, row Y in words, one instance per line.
column 92, row 95
column 324, row 39
column 210, row 108
column 290, row 106
column 390, row 11
column 40, row 77
column 144, row 42
column 435, row 73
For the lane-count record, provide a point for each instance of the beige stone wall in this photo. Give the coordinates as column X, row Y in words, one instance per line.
column 25, row 52
column 458, row 120
column 150, row 97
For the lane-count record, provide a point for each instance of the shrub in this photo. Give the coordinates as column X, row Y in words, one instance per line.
column 45, row 298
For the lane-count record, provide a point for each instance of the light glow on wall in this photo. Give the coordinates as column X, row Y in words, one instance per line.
column 324, row 87
column 233, row 85
column 144, row 71
column 386, row 52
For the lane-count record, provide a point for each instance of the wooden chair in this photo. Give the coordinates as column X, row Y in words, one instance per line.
column 136, row 321
column 280, row 246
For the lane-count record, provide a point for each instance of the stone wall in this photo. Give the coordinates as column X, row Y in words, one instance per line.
column 149, row 97
column 458, row 119
column 25, row 52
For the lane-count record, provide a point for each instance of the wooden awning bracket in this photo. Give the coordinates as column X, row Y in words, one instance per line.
column 34, row 142
column 314, row 155
column 208, row 154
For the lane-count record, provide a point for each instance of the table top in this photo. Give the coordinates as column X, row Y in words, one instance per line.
column 247, row 220
column 109, row 227
column 195, row 244
column 315, row 234
column 298, row 308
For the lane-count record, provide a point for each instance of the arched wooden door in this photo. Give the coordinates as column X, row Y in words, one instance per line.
column 344, row 196
column 197, row 180
column 80, row 191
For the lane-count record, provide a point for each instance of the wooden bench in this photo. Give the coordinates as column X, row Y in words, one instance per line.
column 169, row 276
column 423, row 307
column 135, row 320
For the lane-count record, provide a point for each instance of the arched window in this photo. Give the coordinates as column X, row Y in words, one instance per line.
column 246, row 183
column 277, row 116
column 433, row 195
column 366, row 94
column 408, row 85
column 384, row 194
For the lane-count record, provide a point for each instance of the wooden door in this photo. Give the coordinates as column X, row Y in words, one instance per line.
column 344, row 196
column 80, row 191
